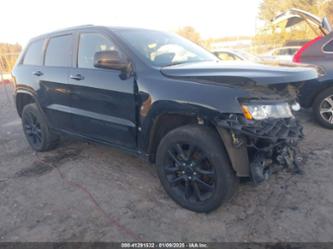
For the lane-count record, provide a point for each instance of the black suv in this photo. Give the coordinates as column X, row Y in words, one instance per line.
column 205, row 123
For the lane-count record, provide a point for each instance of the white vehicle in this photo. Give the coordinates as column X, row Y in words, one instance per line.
column 283, row 54
column 235, row 55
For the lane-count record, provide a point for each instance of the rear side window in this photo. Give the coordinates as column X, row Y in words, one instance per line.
column 59, row 51
column 90, row 43
column 329, row 47
column 33, row 56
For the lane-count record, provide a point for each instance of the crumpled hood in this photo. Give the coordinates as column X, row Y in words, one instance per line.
column 241, row 72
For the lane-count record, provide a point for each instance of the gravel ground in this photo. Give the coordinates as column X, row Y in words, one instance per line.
column 88, row 192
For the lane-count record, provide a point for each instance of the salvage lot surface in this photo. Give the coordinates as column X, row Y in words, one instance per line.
column 88, row 192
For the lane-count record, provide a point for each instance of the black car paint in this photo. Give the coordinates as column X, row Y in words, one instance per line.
column 124, row 108
column 259, row 73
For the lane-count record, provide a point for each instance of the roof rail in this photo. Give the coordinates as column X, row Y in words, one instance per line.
column 61, row 30
column 75, row 27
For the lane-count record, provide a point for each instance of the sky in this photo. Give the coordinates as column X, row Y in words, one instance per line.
column 21, row 20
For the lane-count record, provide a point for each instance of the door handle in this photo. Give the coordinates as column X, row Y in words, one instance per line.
column 76, row 77
column 38, row 73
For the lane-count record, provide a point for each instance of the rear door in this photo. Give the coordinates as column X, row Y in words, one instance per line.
column 27, row 71
column 54, row 87
column 103, row 101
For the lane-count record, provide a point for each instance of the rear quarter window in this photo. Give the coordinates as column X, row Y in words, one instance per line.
column 329, row 47
column 33, row 55
column 59, row 51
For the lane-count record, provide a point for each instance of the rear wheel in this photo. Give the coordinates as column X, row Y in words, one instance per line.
column 194, row 169
column 323, row 108
column 36, row 129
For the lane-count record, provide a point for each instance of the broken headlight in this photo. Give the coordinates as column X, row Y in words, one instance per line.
column 254, row 111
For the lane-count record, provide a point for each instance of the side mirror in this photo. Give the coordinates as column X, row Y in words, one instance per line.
column 109, row 59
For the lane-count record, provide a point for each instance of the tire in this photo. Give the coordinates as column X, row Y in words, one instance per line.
column 188, row 156
column 324, row 102
column 36, row 129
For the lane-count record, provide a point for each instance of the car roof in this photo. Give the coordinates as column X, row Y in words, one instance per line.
column 86, row 27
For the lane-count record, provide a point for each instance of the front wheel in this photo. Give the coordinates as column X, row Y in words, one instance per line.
column 194, row 169
column 323, row 108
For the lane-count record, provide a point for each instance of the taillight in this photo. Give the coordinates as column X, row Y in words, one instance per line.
column 298, row 56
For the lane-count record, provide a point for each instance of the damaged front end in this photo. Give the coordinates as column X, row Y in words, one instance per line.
column 255, row 146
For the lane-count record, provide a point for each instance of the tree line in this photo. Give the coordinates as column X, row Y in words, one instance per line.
column 8, row 56
column 269, row 36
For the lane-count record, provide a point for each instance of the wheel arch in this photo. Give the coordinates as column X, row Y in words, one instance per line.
column 163, row 124
column 165, row 116
column 166, row 120
column 23, row 98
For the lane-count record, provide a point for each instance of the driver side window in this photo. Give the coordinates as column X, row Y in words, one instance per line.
column 89, row 44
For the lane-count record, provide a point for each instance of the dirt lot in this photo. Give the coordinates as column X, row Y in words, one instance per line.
column 89, row 192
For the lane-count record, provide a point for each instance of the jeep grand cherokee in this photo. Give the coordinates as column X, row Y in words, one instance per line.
column 205, row 123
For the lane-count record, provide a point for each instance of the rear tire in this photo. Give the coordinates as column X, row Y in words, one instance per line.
column 36, row 129
column 194, row 169
column 323, row 108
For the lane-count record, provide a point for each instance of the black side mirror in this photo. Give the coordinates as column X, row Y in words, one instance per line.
column 109, row 59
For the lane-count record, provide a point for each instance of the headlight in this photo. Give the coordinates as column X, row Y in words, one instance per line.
column 265, row 111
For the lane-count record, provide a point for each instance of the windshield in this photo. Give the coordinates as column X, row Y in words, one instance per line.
column 164, row 49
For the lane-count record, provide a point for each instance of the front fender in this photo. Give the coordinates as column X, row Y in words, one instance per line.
column 159, row 95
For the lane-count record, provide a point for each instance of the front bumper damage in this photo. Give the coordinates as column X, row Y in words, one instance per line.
column 256, row 147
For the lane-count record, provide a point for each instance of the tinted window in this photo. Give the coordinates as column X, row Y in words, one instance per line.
column 33, row 56
column 59, row 51
column 329, row 47
column 90, row 43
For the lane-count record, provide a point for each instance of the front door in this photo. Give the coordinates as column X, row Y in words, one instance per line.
column 103, row 102
column 54, row 90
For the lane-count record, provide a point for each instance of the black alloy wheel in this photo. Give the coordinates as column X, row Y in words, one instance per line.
column 32, row 129
column 194, row 169
column 189, row 171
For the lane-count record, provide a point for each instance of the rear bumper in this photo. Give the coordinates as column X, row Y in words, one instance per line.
column 254, row 147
